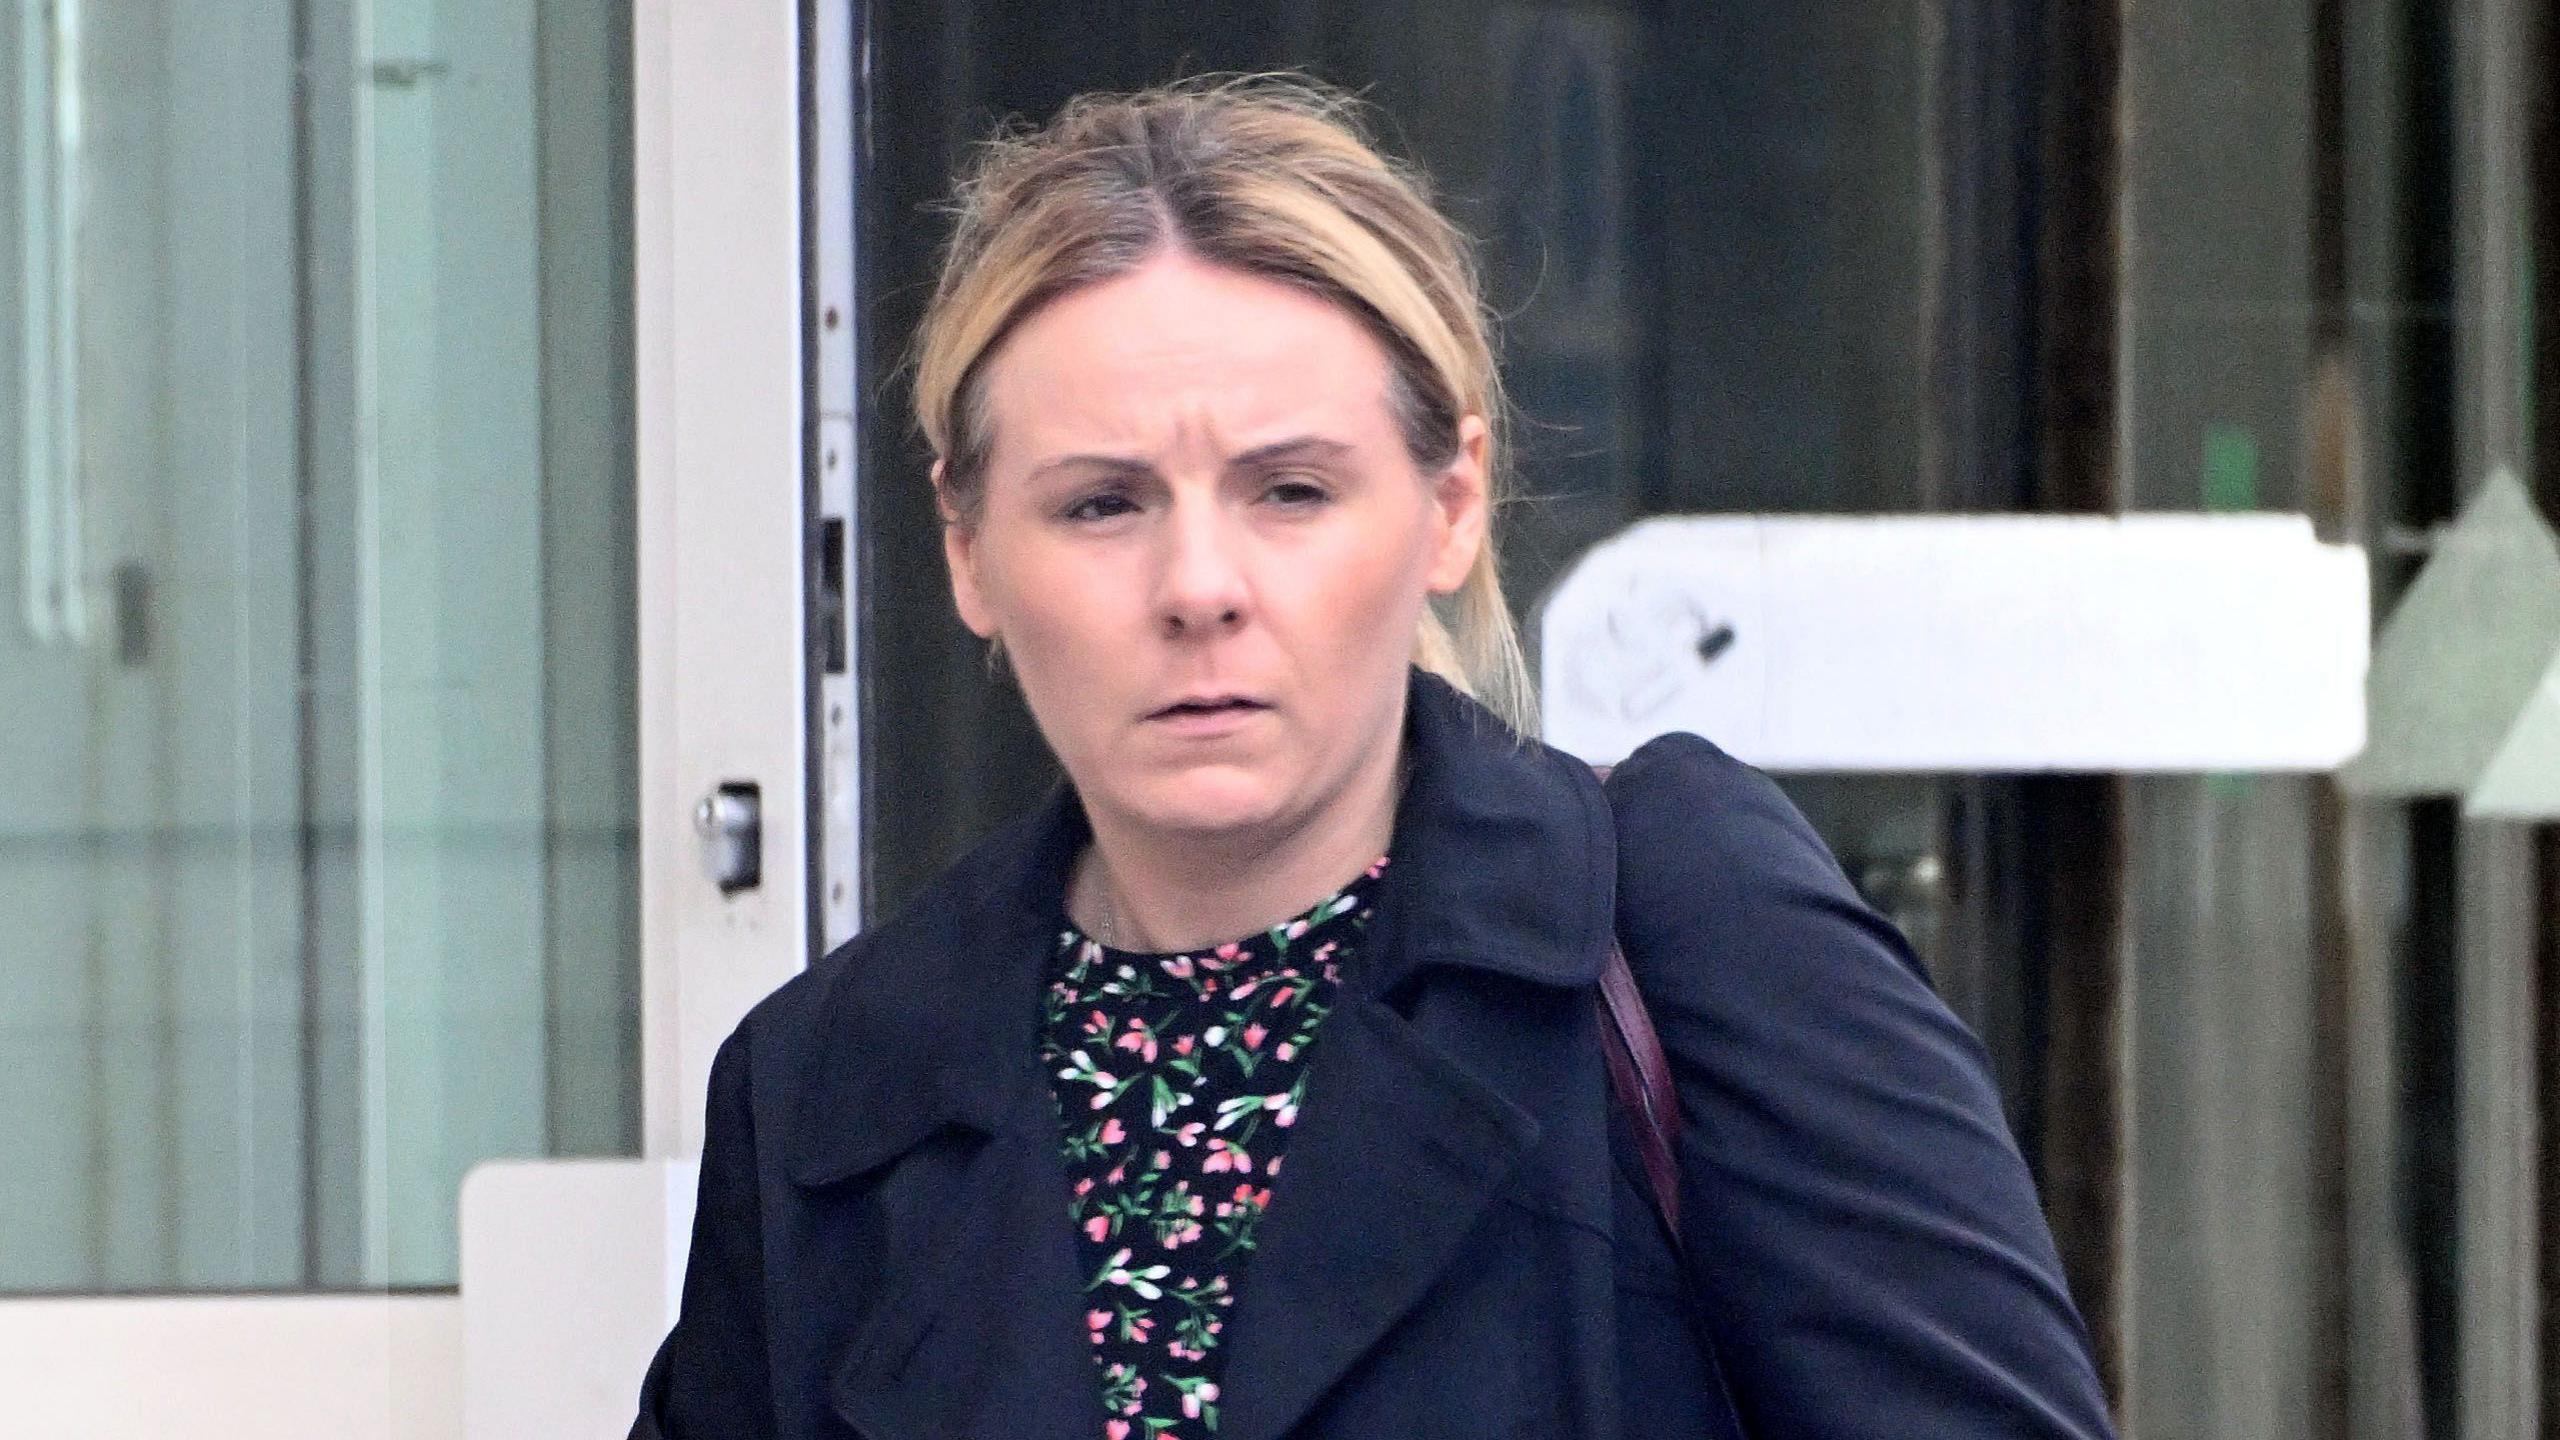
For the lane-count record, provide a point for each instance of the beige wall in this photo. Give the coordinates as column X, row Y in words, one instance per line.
column 287, row 1368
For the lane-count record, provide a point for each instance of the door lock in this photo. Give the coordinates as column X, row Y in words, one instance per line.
column 730, row 822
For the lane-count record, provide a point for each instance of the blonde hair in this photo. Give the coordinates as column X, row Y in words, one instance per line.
column 1270, row 175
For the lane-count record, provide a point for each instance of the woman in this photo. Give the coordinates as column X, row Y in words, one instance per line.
column 1254, row 1088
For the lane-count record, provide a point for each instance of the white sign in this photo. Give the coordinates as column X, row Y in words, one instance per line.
column 2150, row 642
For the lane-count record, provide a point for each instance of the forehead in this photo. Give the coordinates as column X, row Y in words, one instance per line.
column 1178, row 352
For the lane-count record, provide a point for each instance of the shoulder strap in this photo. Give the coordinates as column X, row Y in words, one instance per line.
column 1640, row 1080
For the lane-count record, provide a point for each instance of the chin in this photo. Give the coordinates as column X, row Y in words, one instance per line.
column 1208, row 803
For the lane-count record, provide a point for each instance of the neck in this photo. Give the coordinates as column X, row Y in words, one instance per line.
column 1139, row 888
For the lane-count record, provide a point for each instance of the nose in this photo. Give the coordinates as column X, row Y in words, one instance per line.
column 1203, row 593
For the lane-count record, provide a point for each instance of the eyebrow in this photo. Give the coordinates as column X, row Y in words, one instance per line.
column 1296, row 447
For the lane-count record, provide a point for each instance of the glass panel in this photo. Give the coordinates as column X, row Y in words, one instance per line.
column 2219, row 334
column 2307, row 1107
column 317, row 838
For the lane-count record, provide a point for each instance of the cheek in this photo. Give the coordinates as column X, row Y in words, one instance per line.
column 1069, row 629
column 1043, row 603
column 1370, row 594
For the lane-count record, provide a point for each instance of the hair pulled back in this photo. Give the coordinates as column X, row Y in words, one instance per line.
column 1270, row 175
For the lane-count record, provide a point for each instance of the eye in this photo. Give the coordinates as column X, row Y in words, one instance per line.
column 1297, row 492
column 1104, row 505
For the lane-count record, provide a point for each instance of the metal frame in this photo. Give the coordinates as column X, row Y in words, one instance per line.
column 2499, row 1146
column 835, row 534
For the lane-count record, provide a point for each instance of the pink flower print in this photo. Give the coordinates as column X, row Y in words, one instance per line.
column 1258, row 1199
column 1296, row 929
column 1287, row 1117
column 1134, row 1326
column 1163, row 1159
column 1182, row 1045
column 1113, row 1133
column 1116, row 1430
column 1097, row 1025
column 1096, row 1228
column 1288, row 1051
column 1377, row 867
column 1191, row 1401
column 1084, row 1187
column 1253, row 1036
column 1244, row 989
column 1324, row 952
column 1230, row 951
column 1179, row 967
column 1138, row 1040
column 1096, row 1321
column 1190, row 1134
column 1273, row 1168
column 1223, row 1156
column 1118, row 1173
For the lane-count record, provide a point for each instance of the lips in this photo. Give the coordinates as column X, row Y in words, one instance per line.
column 1203, row 706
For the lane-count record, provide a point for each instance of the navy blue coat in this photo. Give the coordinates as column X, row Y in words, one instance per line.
column 1462, row 1247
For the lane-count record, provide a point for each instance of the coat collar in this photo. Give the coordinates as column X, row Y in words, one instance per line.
column 1504, row 863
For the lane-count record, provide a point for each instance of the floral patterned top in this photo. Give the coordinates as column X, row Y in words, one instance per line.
column 1177, row 1078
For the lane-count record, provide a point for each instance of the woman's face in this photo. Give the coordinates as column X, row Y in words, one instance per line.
column 1204, row 545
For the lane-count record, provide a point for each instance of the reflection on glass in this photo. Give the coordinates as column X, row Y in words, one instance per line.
column 316, row 839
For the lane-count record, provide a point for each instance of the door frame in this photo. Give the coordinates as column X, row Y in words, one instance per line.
column 720, row 328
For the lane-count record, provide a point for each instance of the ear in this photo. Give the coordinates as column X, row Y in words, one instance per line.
column 1462, row 508
column 960, row 552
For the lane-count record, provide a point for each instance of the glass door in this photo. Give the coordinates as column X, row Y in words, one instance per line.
column 402, row 533
column 318, row 695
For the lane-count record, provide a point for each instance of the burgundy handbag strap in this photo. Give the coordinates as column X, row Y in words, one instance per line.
column 1640, row 1080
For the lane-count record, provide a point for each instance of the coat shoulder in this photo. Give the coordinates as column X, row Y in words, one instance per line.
column 1844, row 1145
column 1716, row 832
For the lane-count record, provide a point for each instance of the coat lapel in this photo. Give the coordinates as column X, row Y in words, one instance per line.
column 932, row 1038
column 1398, row 1152
column 1505, row 862
column 979, row 1336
